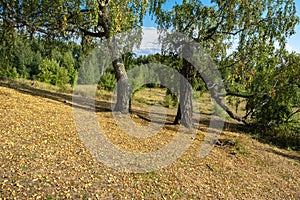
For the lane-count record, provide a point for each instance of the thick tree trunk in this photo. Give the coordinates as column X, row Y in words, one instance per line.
column 123, row 90
column 185, row 107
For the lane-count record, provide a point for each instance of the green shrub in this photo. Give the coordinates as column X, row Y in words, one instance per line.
column 108, row 81
column 283, row 136
column 286, row 137
column 9, row 72
column 170, row 100
column 13, row 73
column 51, row 72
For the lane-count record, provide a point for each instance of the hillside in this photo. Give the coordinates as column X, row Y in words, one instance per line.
column 42, row 157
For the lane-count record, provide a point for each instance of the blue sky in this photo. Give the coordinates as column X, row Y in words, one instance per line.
column 293, row 42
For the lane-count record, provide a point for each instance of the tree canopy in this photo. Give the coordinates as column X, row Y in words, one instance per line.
column 72, row 18
column 89, row 20
column 247, row 40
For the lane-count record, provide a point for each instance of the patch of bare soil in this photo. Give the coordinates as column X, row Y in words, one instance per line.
column 42, row 157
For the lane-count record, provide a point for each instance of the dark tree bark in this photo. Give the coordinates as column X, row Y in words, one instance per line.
column 178, row 115
column 123, row 91
column 185, row 107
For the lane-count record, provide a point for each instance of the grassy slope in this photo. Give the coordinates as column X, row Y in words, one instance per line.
column 41, row 156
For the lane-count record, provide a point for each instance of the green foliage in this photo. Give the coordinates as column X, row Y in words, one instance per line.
column 51, row 72
column 9, row 72
column 170, row 100
column 91, row 69
column 143, row 75
column 24, row 59
column 108, row 81
column 284, row 136
column 64, row 56
column 279, row 92
column 69, row 19
column 13, row 73
column 199, row 85
column 247, row 41
column 33, row 68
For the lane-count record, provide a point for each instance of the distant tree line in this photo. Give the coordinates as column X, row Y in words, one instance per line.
column 56, row 63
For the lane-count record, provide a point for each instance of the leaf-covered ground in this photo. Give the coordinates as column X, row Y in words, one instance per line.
column 42, row 157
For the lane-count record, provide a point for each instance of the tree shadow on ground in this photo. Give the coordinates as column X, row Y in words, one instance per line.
column 159, row 119
column 67, row 99
column 293, row 157
column 267, row 135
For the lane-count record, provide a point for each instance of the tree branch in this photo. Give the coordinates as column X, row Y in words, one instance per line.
column 225, row 108
column 218, row 100
column 258, row 107
column 92, row 34
column 42, row 28
column 16, row 19
column 230, row 65
column 291, row 115
column 245, row 96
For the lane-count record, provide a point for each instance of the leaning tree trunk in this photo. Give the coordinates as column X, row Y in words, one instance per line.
column 123, row 92
column 185, row 107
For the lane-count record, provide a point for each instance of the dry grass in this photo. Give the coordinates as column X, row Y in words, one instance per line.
column 42, row 157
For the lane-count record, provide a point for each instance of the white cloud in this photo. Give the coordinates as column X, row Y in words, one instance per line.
column 289, row 48
column 150, row 43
